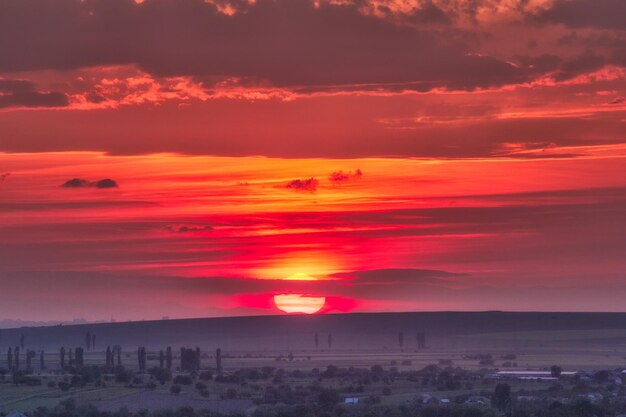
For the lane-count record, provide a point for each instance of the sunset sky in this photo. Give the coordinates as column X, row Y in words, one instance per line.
column 366, row 155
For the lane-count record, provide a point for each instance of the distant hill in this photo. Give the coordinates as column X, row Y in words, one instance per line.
column 349, row 331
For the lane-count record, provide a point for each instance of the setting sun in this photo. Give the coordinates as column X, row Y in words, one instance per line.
column 299, row 303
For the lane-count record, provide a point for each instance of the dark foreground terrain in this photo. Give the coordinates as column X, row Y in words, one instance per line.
column 405, row 365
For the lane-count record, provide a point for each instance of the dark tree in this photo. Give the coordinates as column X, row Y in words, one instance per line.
column 401, row 340
column 501, row 398
column 88, row 341
column 421, row 340
column 62, row 357
column 22, row 341
column 555, row 371
column 109, row 357
column 327, row 398
column 161, row 359
column 601, row 376
column 218, row 361
column 42, row 364
column 141, row 358
column 330, row 340
column 10, row 359
column 189, row 359
column 16, row 358
column 584, row 408
column 168, row 358
column 119, row 355
column 317, row 341
column 30, row 354
column 79, row 352
column 70, row 356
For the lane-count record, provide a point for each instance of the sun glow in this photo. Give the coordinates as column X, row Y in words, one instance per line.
column 300, row 276
column 299, row 303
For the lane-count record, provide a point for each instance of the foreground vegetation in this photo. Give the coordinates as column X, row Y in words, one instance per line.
column 436, row 390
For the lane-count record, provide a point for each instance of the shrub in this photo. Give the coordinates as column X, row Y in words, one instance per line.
column 175, row 389
column 205, row 376
column 122, row 375
column 327, row 398
column 183, row 380
column 231, row 393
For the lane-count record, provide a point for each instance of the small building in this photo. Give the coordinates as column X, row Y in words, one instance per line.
column 426, row 399
column 526, row 398
column 530, row 375
column 594, row 397
column 477, row 400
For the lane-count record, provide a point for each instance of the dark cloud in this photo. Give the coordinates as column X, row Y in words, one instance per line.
column 81, row 183
column 427, row 14
column 398, row 276
column 76, row 183
column 607, row 14
column 280, row 42
column 186, row 228
column 105, row 183
column 341, row 176
column 22, row 93
column 309, row 184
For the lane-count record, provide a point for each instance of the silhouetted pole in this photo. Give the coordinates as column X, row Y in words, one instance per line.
column 62, row 354
column 30, row 354
column 80, row 356
column 168, row 358
column 218, row 361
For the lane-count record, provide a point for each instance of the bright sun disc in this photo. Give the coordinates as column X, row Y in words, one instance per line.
column 299, row 303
